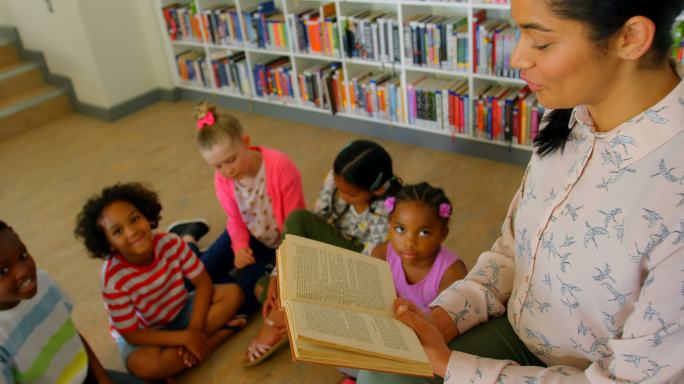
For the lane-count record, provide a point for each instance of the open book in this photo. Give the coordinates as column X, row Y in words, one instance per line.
column 338, row 310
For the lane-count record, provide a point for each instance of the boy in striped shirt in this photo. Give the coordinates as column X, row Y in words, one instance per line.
column 38, row 340
column 161, row 329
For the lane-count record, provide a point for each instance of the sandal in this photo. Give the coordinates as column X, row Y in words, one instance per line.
column 258, row 352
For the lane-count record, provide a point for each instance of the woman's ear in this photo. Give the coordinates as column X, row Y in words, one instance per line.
column 635, row 38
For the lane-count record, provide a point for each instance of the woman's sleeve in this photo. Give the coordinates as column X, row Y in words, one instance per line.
column 649, row 350
column 487, row 287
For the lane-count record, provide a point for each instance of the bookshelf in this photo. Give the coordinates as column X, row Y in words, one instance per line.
column 303, row 72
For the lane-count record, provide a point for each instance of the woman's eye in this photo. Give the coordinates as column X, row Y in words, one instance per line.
column 540, row 47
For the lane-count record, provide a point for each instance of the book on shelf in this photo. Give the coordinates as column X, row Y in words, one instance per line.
column 438, row 104
column 231, row 73
column 263, row 28
column 338, row 308
column 371, row 35
column 273, row 79
column 318, row 86
column 494, row 41
column 182, row 22
column 435, row 41
column 222, row 25
column 192, row 67
column 375, row 95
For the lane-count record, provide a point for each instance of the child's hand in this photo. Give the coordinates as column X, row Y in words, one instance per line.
column 195, row 342
column 244, row 257
column 186, row 357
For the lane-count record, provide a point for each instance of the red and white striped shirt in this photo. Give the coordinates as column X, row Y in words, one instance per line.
column 149, row 296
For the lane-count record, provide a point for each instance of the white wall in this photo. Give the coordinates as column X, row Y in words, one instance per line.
column 5, row 16
column 111, row 50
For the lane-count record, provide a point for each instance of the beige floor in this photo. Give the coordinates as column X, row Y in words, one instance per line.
column 47, row 173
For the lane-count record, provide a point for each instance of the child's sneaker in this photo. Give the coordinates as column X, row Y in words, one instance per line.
column 195, row 228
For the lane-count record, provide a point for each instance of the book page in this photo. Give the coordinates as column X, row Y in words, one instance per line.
column 366, row 333
column 317, row 272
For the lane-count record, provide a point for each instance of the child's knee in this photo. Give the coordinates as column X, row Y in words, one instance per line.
column 149, row 365
column 295, row 221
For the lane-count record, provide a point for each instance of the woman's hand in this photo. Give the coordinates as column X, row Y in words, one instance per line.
column 435, row 347
column 244, row 257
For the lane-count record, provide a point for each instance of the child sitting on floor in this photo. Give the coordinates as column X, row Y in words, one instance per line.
column 159, row 327
column 419, row 222
column 38, row 340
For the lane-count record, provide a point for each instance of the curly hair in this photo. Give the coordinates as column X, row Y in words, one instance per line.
column 87, row 222
column 426, row 194
column 4, row 226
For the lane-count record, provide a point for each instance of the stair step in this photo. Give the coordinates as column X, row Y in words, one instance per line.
column 18, row 77
column 8, row 53
column 31, row 109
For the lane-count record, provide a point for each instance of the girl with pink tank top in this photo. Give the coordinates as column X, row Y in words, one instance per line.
column 419, row 222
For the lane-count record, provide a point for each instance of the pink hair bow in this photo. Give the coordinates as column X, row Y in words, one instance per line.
column 445, row 210
column 389, row 203
column 207, row 119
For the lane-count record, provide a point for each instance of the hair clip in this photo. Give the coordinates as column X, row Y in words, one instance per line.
column 445, row 210
column 389, row 203
column 207, row 119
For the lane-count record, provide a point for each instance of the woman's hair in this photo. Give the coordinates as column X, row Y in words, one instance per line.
column 367, row 165
column 426, row 194
column 605, row 18
column 4, row 226
column 87, row 222
column 224, row 126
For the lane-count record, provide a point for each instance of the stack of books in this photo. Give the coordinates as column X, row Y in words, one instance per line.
column 221, row 25
column 315, row 30
column 439, row 104
column 437, row 42
column 507, row 113
column 273, row 79
column 320, row 86
column 495, row 41
column 192, row 68
column 182, row 22
column 231, row 72
column 376, row 95
column 371, row 35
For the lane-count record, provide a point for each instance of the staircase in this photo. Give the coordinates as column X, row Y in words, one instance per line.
column 26, row 101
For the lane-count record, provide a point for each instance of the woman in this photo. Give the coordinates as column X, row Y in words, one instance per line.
column 589, row 269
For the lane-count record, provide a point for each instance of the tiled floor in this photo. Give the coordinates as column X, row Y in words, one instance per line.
column 47, row 173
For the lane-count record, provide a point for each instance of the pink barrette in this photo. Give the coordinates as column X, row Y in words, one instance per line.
column 445, row 210
column 207, row 119
column 389, row 203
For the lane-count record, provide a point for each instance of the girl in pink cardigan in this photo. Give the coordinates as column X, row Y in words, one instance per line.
column 257, row 188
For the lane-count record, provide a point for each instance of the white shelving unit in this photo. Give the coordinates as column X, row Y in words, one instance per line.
column 401, row 8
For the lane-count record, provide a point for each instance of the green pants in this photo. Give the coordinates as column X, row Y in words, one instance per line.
column 306, row 224
column 494, row 339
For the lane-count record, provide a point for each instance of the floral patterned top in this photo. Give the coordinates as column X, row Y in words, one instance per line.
column 590, row 264
column 369, row 227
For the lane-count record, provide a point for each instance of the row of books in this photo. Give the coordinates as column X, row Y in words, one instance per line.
column 231, row 72
column 222, row 25
column 192, row 68
column 273, row 79
column 495, row 41
column 437, row 42
column 376, row 95
column 264, row 26
column 319, row 86
column 182, row 22
column 439, row 104
column 315, row 29
column 678, row 46
column 371, row 35
column 507, row 113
